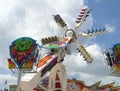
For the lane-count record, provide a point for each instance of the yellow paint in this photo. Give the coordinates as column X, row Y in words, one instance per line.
column 117, row 67
column 28, row 64
column 13, row 87
column 11, row 65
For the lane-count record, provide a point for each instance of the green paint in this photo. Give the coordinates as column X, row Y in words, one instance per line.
column 48, row 69
column 118, row 48
column 52, row 46
column 23, row 44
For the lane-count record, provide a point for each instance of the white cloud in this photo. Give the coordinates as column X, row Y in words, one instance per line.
column 65, row 5
column 6, row 7
column 110, row 28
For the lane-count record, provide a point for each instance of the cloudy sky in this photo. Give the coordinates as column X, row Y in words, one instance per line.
column 33, row 18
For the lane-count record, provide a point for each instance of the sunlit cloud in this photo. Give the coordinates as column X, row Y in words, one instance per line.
column 110, row 28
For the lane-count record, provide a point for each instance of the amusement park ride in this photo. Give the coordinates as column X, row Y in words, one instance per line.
column 25, row 56
column 112, row 57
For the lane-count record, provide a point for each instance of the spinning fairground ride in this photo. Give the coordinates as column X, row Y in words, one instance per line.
column 25, row 56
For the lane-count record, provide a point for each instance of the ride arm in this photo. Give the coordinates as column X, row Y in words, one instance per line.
column 81, row 18
column 92, row 33
column 60, row 22
column 84, row 53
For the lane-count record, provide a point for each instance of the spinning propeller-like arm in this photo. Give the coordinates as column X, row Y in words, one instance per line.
column 84, row 52
column 60, row 22
column 81, row 18
column 92, row 33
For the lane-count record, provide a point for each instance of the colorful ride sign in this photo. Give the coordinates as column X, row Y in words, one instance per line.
column 23, row 50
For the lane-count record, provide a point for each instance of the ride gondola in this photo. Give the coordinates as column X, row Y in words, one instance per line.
column 112, row 58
